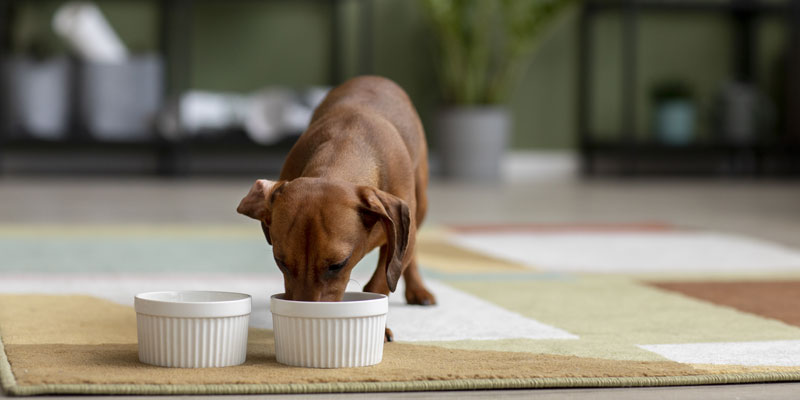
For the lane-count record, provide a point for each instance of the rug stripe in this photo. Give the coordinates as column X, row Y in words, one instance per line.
column 558, row 227
column 620, row 310
column 775, row 353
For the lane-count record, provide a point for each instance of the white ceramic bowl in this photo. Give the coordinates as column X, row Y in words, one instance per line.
column 348, row 333
column 192, row 329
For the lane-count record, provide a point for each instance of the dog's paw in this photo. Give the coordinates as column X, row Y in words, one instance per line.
column 420, row 296
column 388, row 336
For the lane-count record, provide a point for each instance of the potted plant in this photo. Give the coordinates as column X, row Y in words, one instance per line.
column 483, row 47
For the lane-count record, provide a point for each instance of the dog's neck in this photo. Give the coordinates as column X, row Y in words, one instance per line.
column 336, row 160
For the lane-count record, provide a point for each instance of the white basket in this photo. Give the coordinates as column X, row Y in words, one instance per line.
column 349, row 333
column 192, row 329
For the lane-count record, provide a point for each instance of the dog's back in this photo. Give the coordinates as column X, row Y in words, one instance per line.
column 382, row 96
column 357, row 112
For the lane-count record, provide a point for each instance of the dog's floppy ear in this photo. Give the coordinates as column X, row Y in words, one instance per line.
column 258, row 203
column 254, row 205
column 394, row 216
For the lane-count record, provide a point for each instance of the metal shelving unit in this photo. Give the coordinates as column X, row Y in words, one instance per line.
column 627, row 154
column 173, row 156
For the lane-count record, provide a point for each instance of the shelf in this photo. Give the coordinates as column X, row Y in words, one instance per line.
column 697, row 159
column 688, row 6
column 21, row 142
column 222, row 140
column 236, row 139
column 698, row 147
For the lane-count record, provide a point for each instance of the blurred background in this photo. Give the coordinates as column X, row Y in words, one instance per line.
column 505, row 88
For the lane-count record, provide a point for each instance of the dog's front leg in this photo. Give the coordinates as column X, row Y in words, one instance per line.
column 377, row 284
column 416, row 292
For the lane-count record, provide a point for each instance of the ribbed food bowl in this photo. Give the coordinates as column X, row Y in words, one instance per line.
column 341, row 334
column 192, row 329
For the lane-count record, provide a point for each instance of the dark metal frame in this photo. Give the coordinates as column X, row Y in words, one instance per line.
column 628, row 155
column 175, row 45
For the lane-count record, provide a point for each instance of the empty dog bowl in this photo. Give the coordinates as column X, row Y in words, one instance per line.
column 192, row 329
column 348, row 333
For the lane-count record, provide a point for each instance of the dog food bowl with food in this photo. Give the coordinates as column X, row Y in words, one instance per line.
column 192, row 329
column 347, row 333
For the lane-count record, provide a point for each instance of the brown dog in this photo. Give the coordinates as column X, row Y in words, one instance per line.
column 355, row 180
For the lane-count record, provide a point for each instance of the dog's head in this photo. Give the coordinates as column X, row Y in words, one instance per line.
column 319, row 230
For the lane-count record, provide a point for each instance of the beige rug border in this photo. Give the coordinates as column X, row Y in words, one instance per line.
column 9, row 384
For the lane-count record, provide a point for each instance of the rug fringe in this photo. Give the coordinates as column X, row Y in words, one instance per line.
column 7, row 380
column 361, row 387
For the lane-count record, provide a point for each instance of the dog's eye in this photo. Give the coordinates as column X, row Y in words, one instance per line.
column 337, row 267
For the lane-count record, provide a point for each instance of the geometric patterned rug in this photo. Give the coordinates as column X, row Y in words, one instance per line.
column 518, row 307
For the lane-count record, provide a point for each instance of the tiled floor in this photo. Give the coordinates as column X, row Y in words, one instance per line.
column 764, row 209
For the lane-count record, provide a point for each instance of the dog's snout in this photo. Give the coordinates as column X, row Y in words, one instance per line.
column 314, row 294
column 304, row 295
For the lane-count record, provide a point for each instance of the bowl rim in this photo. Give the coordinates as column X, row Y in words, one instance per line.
column 149, row 303
column 353, row 305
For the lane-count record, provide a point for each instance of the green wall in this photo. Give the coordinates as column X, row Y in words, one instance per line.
column 241, row 45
